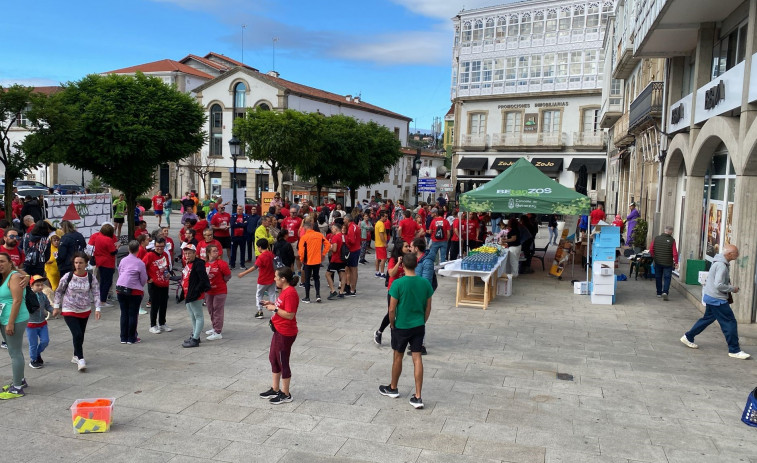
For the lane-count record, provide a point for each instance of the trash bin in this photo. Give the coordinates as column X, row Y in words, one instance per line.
column 693, row 267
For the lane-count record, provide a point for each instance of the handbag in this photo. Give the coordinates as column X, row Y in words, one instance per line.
column 278, row 263
column 123, row 290
column 270, row 324
column 730, row 298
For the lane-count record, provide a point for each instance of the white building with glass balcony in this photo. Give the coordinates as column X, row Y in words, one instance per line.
column 527, row 82
column 708, row 168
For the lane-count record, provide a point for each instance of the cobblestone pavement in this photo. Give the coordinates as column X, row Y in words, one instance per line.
column 491, row 390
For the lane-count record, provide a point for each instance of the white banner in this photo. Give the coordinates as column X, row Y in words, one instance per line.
column 87, row 212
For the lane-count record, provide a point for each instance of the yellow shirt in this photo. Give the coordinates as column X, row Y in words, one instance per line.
column 380, row 228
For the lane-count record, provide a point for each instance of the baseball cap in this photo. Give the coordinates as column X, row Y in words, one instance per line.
column 434, row 210
column 36, row 278
column 189, row 247
column 632, row 204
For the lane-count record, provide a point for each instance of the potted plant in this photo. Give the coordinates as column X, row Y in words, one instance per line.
column 639, row 235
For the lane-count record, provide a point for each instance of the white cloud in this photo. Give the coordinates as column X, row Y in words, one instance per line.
column 30, row 82
column 423, row 48
column 446, row 9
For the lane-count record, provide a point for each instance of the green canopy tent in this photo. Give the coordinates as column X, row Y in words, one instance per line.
column 524, row 188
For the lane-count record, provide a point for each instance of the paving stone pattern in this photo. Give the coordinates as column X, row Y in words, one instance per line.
column 491, row 391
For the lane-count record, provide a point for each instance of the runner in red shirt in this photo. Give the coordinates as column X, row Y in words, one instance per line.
column 266, row 280
column 158, row 266
column 218, row 274
column 207, row 240
column 157, row 206
column 12, row 248
column 221, row 224
column 292, row 225
column 408, row 228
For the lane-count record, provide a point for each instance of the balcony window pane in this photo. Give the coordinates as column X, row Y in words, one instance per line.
column 536, row 65
column 538, row 27
column 564, row 19
column 591, row 120
column 512, row 29
column 467, row 34
column 513, row 122
column 501, row 29
column 550, row 121
column 523, row 67
column 578, row 18
column 475, row 74
column 478, row 32
column 489, row 31
column 487, row 74
column 510, row 68
column 548, row 67
column 551, row 25
column 576, row 59
column 477, row 124
column 525, row 25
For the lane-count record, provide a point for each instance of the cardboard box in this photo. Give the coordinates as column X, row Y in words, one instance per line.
column 602, row 253
column 604, row 279
column 702, row 278
column 603, row 289
column 581, row 287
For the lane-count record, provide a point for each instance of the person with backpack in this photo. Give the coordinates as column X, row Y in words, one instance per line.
column 337, row 262
column 284, row 250
column 439, row 229
column 73, row 298
column 34, row 246
column 36, row 329
column 13, row 321
column 70, row 243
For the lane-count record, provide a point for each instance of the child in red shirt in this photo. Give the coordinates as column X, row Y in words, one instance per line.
column 266, row 280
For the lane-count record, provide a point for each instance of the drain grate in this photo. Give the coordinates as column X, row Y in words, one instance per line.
column 565, row 376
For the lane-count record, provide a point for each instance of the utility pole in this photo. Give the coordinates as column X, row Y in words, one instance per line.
column 273, row 66
column 244, row 26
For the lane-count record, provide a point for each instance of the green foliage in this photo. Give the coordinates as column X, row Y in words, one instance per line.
column 14, row 101
column 121, row 128
column 96, row 185
column 639, row 234
column 145, row 202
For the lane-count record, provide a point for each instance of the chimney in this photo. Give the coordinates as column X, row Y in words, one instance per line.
column 348, row 97
column 273, row 74
column 356, row 99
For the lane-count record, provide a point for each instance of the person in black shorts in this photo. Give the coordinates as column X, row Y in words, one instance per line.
column 409, row 310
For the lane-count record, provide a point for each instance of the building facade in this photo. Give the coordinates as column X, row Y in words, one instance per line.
column 527, row 82
column 708, row 147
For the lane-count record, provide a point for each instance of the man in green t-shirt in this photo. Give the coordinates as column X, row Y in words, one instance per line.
column 409, row 308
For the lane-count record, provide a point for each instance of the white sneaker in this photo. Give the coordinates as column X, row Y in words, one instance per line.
column 209, row 332
column 739, row 355
column 166, row 328
column 142, row 311
column 688, row 343
column 155, row 330
column 106, row 304
column 82, row 365
column 214, row 336
column 75, row 359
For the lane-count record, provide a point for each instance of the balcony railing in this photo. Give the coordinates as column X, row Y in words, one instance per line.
column 647, row 105
column 594, row 139
column 476, row 142
column 620, row 136
column 519, row 140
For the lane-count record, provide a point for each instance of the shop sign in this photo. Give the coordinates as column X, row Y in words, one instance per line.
column 505, row 164
column 544, row 164
column 676, row 114
column 680, row 114
column 529, row 122
column 714, row 95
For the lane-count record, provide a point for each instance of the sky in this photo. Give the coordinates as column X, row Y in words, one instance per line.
column 396, row 54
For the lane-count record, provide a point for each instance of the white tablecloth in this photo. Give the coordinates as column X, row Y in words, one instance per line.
column 454, row 269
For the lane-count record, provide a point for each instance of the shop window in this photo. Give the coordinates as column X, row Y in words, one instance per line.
column 719, row 192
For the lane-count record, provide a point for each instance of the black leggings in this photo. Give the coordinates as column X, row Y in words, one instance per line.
column 159, row 298
column 77, row 326
column 308, row 270
column 385, row 320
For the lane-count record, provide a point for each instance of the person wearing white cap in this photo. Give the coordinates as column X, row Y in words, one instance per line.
column 194, row 283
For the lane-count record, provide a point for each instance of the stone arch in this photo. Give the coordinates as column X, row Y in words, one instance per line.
column 234, row 83
column 215, row 102
column 678, row 152
column 263, row 102
column 717, row 130
column 749, row 152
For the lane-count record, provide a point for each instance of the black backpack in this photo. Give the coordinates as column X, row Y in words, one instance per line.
column 30, row 297
column 439, row 233
column 344, row 251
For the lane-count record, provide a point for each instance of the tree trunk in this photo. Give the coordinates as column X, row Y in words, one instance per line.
column 275, row 175
column 318, row 188
column 8, row 195
column 131, row 204
column 353, row 194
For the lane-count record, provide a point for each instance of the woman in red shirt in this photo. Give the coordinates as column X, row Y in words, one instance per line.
column 283, row 322
column 395, row 271
column 218, row 273
column 104, row 243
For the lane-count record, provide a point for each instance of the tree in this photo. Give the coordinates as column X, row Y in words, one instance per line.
column 278, row 139
column 202, row 167
column 377, row 151
column 19, row 107
column 121, row 128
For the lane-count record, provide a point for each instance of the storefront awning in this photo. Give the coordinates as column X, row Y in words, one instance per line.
column 503, row 163
column 473, row 163
column 548, row 165
column 593, row 165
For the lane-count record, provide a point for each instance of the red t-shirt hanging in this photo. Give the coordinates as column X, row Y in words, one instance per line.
column 287, row 301
column 264, row 263
column 217, row 271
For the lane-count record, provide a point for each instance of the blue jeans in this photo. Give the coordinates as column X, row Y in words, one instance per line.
column 237, row 242
column 38, row 338
column 552, row 235
column 724, row 315
column 495, row 226
column 442, row 247
column 662, row 274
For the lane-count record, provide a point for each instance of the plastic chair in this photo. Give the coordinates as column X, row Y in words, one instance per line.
column 541, row 257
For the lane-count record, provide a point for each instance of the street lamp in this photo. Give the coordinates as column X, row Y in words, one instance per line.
column 234, row 145
column 417, row 171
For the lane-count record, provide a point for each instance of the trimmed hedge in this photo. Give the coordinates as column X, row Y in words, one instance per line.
column 145, row 202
